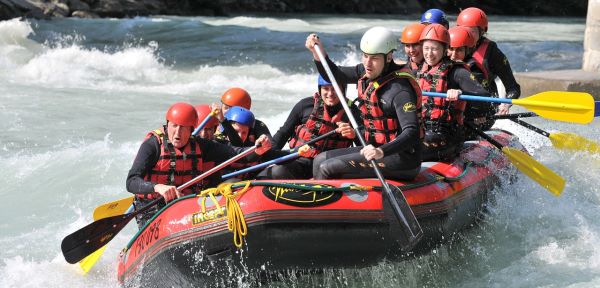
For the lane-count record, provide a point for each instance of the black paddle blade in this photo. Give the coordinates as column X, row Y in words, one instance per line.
column 410, row 232
column 92, row 237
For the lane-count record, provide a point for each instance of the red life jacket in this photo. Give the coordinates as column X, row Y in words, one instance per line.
column 436, row 109
column 480, row 57
column 381, row 128
column 414, row 67
column 320, row 122
column 175, row 166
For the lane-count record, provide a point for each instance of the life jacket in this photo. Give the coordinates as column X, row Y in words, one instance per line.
column 320, row 122
column 175, row 166
column 439, row 111
column 480, row 59
column 381, row 128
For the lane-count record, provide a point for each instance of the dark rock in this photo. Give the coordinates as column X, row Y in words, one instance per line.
column 75, row 5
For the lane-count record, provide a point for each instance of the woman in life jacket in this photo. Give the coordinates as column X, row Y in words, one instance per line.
column 170, row 157
column 443, row 117
column 237, row 97
column 412, row 46
column 311, row 117
column 389, row 103
column 488, row 61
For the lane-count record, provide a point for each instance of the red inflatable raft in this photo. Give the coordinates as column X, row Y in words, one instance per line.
column 306, row 224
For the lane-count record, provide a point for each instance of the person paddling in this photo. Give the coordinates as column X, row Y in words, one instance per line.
column 443, row 117
column 170, row 156
column 412, row 46
column 310, row 118
column 238, row 97
column 389, row 101
column 488, row 60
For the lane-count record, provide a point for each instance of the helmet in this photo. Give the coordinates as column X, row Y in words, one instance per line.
column 473, row 17
column 182, row 114
column 412, row 33
column 461, row 36
column 236, row 97
column 203, row 112
column 378, row 40
column 240, row 115
column 435, row 32
column 434, row 16
column 322, row 82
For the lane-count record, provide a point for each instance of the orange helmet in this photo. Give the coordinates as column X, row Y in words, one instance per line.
column 461, row 36
column 182, row 114
column 412, row 33
column 436, row 32
column 236, row 97
column 473, row 17
column 203, row 112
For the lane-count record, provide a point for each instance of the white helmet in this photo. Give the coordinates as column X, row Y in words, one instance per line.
column 378, row 40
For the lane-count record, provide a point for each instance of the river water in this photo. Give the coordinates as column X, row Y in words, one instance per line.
column 78, row 96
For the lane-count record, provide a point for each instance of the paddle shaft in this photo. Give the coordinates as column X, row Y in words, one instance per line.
column 415, row 229
column 471, row 97
column 484, row 136
column 512, row 116
column 531, row 127
column 206, row 119
column 278, row 160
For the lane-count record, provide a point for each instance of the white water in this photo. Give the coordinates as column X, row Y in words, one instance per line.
column 75, row 104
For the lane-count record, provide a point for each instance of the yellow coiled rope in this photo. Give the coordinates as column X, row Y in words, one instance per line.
column 235, row 217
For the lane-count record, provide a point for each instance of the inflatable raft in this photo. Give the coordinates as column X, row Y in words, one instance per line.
column 262, row 226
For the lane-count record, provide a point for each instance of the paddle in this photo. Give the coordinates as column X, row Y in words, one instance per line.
column 113, row 208
column 527, row 165
column 277, row 160
column 203, row 123
column 576, row 107
column 105, row 210
column 564, row 140
column 92, row 237
column 408, row 222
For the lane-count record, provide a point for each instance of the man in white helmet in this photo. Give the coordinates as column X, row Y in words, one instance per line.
column 389, row 99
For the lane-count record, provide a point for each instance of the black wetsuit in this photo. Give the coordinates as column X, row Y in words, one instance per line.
column 453, row 135
column 498, row 65
column 402, row 156
column 147, row 157
column 301, row 167
column 259, row 128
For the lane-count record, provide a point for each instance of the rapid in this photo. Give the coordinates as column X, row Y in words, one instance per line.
column 78, row 96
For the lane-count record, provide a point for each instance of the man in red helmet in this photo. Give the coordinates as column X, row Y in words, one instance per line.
column 487, row 62
column 169, row 157
column 238, row 97
column 209, row 129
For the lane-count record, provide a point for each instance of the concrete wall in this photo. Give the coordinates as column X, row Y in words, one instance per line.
column 591, row 42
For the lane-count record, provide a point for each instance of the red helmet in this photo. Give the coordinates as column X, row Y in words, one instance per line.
column 473, row 17
column 461, row 36
column 203, row 112
column 436, row 32
column 237, row 97
column 412, row 33
column 182, row 114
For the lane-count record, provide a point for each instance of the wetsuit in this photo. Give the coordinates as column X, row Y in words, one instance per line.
column 447, row 136
column 402, row 155
column 213, row 153
column 259, row 128
column 301, row 167
column 487, row 62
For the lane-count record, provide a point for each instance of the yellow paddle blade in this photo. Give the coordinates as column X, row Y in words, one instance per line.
column 535, row 170
column 572, row 141
column 575, row 107
column 88, row 262
column 113, row 208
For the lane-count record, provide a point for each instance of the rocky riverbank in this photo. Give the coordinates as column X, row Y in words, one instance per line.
column 47, row 9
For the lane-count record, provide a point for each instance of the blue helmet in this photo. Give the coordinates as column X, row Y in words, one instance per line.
column 240, row 115
column 322, row 81
column 434, row 16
